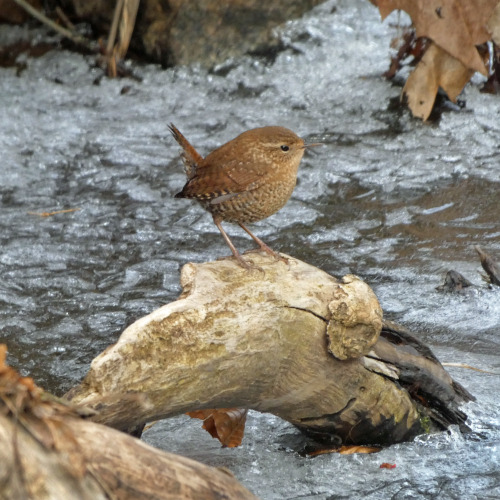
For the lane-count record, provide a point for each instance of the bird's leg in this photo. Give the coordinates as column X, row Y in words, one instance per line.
column 262, row 245
column 217, row 221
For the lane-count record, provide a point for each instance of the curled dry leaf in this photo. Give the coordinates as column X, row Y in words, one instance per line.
column 387, row 465
column 455, row 27
column 436, row 69
column 494, row 24
column 350, row 450
column 225, row 424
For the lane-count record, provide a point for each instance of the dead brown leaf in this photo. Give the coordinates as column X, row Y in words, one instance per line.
column 436, row 69
column 344, row 450
column 494, row 25
column 456, row 26
column 127, row 24
column 225, row 424
column 350, row 450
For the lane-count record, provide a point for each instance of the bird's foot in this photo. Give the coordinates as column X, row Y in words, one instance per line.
column 249, row 266
column 270, row 251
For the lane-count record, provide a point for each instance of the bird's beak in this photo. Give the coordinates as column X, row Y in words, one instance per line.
column 312, row 145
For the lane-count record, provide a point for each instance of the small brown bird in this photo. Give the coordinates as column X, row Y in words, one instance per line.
column 246, row 180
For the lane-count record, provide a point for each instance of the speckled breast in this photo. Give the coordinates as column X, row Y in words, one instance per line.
column 254, row 205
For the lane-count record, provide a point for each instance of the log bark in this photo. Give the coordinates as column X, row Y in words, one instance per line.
column 49, row 452
column 263, row 340
column 116, row 466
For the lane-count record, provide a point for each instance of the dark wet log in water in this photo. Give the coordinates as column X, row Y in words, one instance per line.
column 285, row 339
column 454, row 282
column 421, row 373
column 490, row 266
column 47, row 450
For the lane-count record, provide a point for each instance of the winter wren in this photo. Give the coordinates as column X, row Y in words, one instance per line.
column 247, row 179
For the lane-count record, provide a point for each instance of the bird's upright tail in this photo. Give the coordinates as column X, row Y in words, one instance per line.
column 190, row 156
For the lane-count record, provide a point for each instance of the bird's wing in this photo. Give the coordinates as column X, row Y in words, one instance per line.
column 213, row 181
column 244, row 177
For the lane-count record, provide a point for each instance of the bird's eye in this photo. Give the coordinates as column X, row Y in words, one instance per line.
column 285, row 148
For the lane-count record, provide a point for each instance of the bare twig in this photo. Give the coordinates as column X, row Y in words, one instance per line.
column 127, row 24
column 75, row 37
column 64, row 18
column 122, row 27
column 114, row 27
column 469, row 367
column 49, row 214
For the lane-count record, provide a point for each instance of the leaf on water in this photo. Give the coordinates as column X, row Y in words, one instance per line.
column 225, row 424
column 345, row 450
column 349, row 450
column 387, row 465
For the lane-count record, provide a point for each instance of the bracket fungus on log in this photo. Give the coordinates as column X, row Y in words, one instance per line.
column 356, row 319
column 258, row 340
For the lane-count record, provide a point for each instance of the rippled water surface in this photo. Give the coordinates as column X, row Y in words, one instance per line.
column 394, row 200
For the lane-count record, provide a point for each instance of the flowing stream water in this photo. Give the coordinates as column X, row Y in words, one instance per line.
column 389, row 198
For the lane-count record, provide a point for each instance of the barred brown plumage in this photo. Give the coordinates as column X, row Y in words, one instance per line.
column 247, row 179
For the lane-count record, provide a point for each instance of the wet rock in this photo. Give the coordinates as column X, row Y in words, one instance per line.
column 453, row 282
column 207, row 31
column 10, row 12
column 490, row 266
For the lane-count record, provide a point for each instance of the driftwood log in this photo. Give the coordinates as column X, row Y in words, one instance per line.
column 489, row 265
column 287, row 339
column 48, row 451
